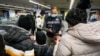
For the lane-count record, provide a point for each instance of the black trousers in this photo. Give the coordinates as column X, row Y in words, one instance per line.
column 2, row 46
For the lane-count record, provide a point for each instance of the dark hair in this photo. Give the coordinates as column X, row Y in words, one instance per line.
column 42, row 12
column 76, row 16
column 34, row 13
column 27, row 22
column 24, row 22
column 84, row 4
column 53, row 7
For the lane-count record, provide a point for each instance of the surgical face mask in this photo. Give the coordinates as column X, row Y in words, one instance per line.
column 53, row 15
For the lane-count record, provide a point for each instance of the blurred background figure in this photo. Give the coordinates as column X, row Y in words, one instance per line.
column 34, row 14
column 95, row 17
column 40, row 35
column 98, row 15
column 86, row 6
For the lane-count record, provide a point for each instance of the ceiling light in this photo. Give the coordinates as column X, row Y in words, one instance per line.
column 71, row 4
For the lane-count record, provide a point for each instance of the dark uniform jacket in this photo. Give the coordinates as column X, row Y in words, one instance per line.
column 17, row 37
column 53, row 23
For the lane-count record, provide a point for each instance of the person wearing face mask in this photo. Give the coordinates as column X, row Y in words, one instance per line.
column 98, row 15
column 53, row 25
column 95, row 17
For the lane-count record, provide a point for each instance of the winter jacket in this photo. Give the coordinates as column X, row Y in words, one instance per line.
column 17, row 37
column 81, row 40
column 53, row 23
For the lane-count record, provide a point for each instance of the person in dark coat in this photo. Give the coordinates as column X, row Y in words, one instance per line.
column 84, row 4
column 2, row 45
column 40, row 35
column 20, row 39
column 17, row 37
column 53, row 25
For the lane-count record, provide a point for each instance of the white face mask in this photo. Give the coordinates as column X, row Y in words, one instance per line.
column 53, row 15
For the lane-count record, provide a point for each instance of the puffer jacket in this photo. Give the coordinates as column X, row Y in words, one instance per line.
column 81, row 40
column 17, row 37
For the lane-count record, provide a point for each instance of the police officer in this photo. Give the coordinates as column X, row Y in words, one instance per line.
column 53, row 24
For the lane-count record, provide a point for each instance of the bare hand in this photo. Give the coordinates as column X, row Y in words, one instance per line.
column 57, row 39
column 60, row 32
column 32, row 37
column 50, row 30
